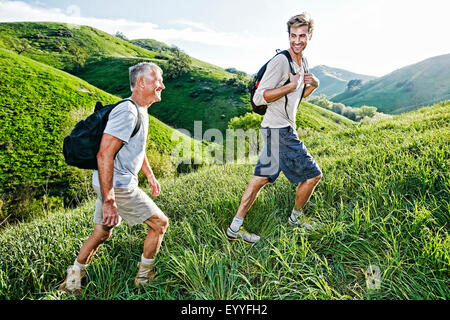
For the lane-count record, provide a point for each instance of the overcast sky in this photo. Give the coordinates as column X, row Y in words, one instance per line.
column 372, row 37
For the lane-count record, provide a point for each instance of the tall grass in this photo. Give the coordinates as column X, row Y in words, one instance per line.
column 383, row 201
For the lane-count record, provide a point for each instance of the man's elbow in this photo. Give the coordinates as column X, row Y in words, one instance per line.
column 104, row 155
column 259, row 99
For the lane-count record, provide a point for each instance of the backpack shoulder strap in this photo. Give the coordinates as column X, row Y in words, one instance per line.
column 291, row 63
column 305, row 64
column 139, row 121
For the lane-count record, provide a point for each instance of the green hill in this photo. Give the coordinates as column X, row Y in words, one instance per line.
column 406, row 89
column 39, row 107
column 334, row 81
column 103, row 60
column 383, row 201
column 65, row 46
column 208, row 93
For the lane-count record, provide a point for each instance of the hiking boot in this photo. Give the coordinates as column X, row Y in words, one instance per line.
column 303, row 222
column 72, row 284
column 243, row 235
column 145, row 275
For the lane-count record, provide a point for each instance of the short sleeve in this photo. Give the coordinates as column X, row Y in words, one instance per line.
column 122, row 121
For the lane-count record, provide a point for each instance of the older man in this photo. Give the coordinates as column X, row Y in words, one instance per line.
column 283, row 150
column 120, row 158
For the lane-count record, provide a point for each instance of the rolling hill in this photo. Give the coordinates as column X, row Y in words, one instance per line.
column 406, row 89
column 208, row 93
column 334, row 81
column 103, row 60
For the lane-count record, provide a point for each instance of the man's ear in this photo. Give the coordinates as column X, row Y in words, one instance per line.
column 310, row 35
column 140, row 82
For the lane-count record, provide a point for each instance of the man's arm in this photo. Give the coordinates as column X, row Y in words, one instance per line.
column 109, row 146
column 152, row 181
column 271, row 95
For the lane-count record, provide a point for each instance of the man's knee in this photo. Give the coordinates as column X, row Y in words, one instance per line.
column 164, row 223
column 102, row 233
column 316, row 179
column 312, row 181
column 258, row 182
column 158, row 222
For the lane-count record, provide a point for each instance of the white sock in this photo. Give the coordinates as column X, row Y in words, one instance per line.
column 143, row 272
column 79, row 266
column 236, row 224
column 147, row 262
column 295, row 214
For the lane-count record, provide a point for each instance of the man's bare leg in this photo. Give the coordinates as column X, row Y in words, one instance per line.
column 250, row 195
column 100, row 234
column 234, row 231
column 303, row 194
column 158, row 224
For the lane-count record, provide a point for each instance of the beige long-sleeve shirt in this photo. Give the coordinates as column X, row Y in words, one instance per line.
column 276, row 75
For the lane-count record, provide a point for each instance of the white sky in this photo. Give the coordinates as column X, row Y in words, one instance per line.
column 372, row 37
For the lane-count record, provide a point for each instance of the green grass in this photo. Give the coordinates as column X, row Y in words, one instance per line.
column 383, row 200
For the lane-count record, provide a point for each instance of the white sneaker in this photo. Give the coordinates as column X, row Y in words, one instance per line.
column 72, row 284
column 243, row 235
column 303, row 222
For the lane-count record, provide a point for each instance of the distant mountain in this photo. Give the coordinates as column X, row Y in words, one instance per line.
column 334, row 81
column 405, row 89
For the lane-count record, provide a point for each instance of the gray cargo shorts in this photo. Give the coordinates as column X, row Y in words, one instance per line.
column 284, row 152
column 133, row 204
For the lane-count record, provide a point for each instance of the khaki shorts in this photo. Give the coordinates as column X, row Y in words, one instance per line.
column 133, row 204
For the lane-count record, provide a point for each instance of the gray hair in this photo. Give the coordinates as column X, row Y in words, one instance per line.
column 141, row 70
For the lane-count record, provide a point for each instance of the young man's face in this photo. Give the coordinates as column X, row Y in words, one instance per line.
column 153, row 86
column 298, row 38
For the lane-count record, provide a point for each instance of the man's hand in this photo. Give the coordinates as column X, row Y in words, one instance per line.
column 156, row 188
column 311, row 80
column 294, row 81
column 110, row 214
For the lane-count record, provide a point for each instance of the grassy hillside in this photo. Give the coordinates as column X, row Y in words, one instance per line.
column 383, row 200
column 103, row 61
column 406, row 89
column 334, row 81
column 65, row 46
column 39, row 107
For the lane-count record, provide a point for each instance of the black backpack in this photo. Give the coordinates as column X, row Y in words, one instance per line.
column 80, row 148
column 257, row 79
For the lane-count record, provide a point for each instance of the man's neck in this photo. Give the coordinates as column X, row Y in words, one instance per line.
column 296, row 57
column 140, row 101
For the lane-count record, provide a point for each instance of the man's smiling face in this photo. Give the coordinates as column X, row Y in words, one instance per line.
column 298, row 38
column 153, row 86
